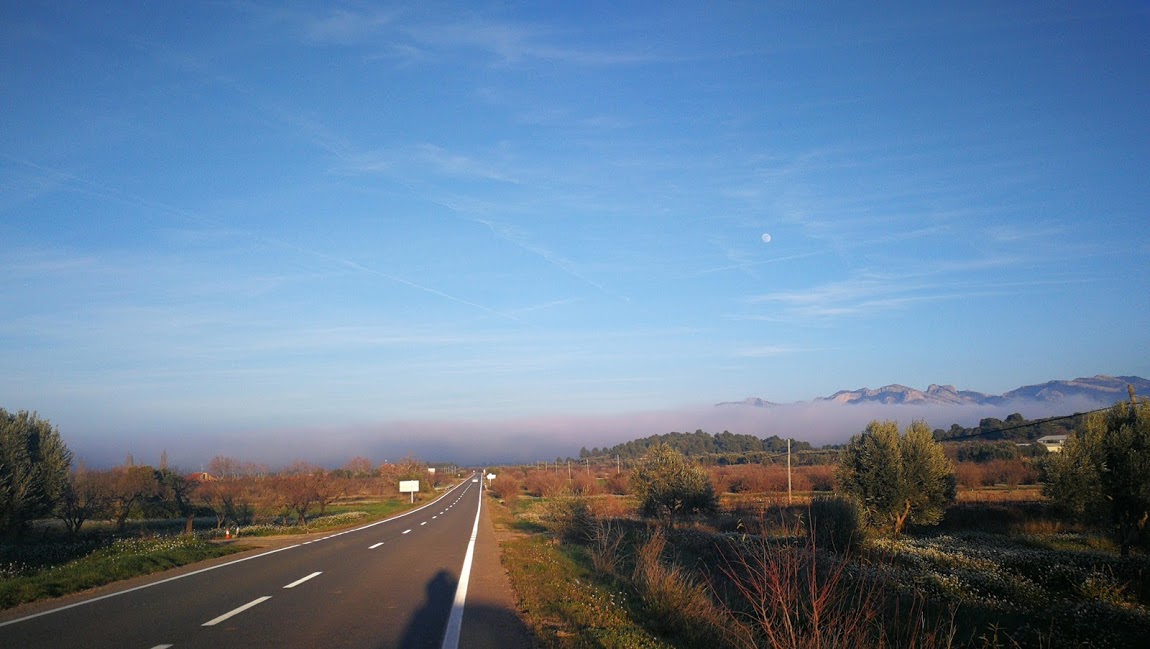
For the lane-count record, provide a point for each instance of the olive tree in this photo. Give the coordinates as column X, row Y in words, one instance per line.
column 898, row 479
column 668, row 484
column 1103, row 471
column 34, row 465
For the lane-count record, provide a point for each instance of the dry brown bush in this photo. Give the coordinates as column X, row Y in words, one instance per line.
column 544, row 483
column 1012, row 473
column 506, row 486
column 610, row 506
column 759, row 479
column 820, row 477
column 585, row 484
column 968, row 475
column 619, row 483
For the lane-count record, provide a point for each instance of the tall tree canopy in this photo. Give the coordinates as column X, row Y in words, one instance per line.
column 897, row 479
column 1103, row 472
column 34, row 465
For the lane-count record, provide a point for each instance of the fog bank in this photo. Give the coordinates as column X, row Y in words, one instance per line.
column 530, row 439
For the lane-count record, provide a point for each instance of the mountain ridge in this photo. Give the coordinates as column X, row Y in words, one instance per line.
column 1101, row 388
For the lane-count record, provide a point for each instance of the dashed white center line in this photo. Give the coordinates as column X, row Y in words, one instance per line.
column 163, row 646
column 434, row 517
column 423, row 523
column 406, row 531
column 237, row 611
column 300, row 581
column 372, row 547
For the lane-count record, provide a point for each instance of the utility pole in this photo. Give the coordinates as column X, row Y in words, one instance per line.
column 568, row 469
column 789, row 498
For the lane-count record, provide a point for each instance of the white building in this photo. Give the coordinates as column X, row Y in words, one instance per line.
column 1053, row 443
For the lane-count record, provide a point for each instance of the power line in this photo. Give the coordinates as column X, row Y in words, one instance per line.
column 816, row 451
column 1016, row 427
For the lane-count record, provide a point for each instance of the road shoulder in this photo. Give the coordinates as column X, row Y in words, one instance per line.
column 491, row 619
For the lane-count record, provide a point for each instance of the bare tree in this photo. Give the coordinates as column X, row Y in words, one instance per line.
column 358, row 467
column 85, row 496
column 127, row 486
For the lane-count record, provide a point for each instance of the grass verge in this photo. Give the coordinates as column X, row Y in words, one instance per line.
column 121, row 560
column 565, row 604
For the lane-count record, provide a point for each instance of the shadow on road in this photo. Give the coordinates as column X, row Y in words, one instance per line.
column 426, row 627
column 493, row 627
column 483, row 626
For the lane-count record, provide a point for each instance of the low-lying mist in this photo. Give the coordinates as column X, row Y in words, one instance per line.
column 530, row 439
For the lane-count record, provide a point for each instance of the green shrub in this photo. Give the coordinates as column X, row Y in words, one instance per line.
column 570, row 519
column 836, row 523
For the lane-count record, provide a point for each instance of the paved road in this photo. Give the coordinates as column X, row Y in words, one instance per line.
column 389, row 584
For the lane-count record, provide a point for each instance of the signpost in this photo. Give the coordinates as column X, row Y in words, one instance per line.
column 409, row 486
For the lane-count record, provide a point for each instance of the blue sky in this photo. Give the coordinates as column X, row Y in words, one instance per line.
column 358, row 225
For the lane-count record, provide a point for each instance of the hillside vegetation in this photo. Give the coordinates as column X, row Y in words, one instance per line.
column 697, row 445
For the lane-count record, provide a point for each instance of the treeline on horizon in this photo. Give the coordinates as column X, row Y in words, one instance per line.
column 719, row 448
column 1015, row 428
column 992, row 439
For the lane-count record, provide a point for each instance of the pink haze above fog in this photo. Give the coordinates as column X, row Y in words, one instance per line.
column 529, row 439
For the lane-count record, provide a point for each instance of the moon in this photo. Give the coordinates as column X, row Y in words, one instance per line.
column 766, row 237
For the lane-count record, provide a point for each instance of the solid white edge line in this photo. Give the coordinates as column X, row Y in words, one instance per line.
column 455, row 621
column 222, row 565
column 237, row 611
column 301, row 580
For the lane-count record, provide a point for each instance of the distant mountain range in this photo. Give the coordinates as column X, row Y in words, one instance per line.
column 1102, row 389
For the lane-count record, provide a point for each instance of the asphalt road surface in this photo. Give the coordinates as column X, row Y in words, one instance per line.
column 388, row 584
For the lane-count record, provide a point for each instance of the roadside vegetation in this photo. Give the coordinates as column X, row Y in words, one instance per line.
column 65, row 527
column 55, row 569
column 913, row 539
column 893, row 543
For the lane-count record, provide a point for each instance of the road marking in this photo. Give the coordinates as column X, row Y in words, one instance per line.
column 155, row 583
column 163, row 646
column 372, row 547
column 423, row 523
column 455, row 621
column 215, row 567
column 300, row 581
column 406, row 531
column 237, row 611
column 434, row 517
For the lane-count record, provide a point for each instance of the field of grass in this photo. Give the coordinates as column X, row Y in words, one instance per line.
column 341, row 514
column 1000, row 572
column 568, row 605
